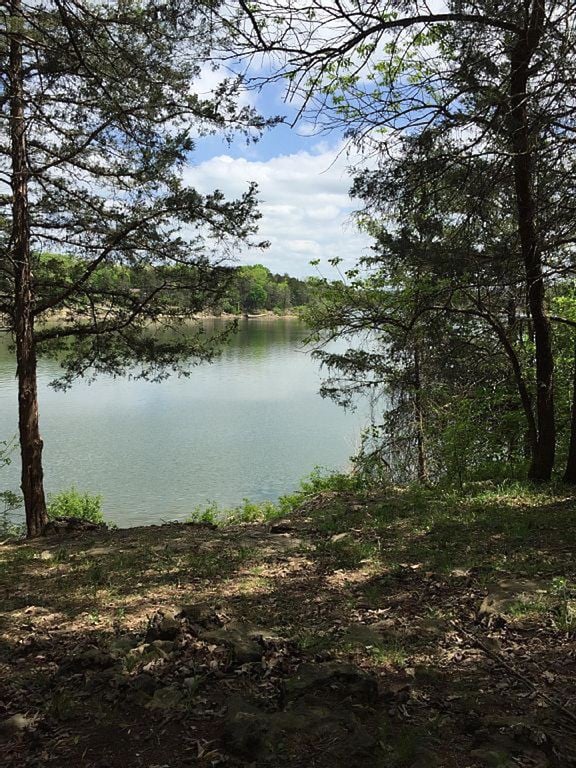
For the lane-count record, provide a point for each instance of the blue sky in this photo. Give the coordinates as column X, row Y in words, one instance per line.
column 303, row 184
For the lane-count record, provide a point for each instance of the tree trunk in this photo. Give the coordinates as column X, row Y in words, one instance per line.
column 543, row 455
column 30, row 441
column 419, row 420
column 570, row 471
column 525, row 399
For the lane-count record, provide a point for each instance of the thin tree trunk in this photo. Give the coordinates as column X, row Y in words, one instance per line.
column 525, row 399
column 30, row 441
column 570, row 472
column 419, row 420
column 543, row 455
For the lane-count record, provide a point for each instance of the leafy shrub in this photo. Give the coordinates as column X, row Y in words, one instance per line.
column 72, row 503
column 318, row 481
column 9, row 502
column 209, row 514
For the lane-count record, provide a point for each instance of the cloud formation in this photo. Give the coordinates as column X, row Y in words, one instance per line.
column 306, row 209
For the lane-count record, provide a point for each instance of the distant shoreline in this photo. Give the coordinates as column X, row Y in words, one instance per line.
column 248, row 316
column 267, row 316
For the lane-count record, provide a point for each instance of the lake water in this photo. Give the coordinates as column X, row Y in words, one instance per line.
column 249, row 425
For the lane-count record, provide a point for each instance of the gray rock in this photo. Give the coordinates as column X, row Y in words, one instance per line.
column 203, row 614
column 16, row 724
column 491, row 757
column 361, row 635
column 121, row 646
column 247, row 730
column 112, row 676
column 192, row 683
column 242, row 639
column 149, row 651
column 281, row 526
column 169, row 698
column 253, row 734
column 166, row 646
column 163, row 626
column 505, row 597
column 59, row 525
column 145, row 683
column 92, row 658
column 343, row 681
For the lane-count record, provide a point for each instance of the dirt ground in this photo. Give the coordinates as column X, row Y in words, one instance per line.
column 359, row 632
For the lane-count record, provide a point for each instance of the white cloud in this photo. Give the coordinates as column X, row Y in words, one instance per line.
column 304, row 203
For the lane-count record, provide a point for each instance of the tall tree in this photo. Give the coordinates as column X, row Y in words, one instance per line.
column 98, row 118
column 498, row 79
column 437, row 298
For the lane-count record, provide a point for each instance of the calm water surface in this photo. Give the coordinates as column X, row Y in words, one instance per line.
column 249, row 425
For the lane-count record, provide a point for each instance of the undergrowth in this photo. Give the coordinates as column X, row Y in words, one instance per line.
column 319, row 481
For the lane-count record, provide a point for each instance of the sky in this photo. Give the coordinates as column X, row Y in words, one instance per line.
column 303, row 188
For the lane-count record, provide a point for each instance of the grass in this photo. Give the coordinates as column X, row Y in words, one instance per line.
column 494, row 529
column 375, row 578
column 318, row 482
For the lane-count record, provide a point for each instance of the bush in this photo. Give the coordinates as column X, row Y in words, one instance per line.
column 9, row 502
column 318, row 481
column 72, row 503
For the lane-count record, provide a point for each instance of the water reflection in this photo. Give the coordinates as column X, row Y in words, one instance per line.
column 250, row 425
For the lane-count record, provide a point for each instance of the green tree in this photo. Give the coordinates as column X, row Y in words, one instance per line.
column 98, row 117
column 478, row 80
column 252, row 282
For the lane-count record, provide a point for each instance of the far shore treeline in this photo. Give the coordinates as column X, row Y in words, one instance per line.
column 245, row 289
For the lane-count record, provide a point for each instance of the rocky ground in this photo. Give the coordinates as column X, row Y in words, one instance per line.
column 362, row 631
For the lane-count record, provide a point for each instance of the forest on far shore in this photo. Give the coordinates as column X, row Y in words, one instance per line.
column 239, row 289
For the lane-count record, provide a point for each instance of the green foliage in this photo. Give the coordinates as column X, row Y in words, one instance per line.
column 319, row 481
column 124, row 238
column 72, row 503
column 9, row 501
column 563, row 594
column 465, row 266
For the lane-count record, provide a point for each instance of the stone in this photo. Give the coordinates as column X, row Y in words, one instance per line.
column 166, row 646
column 148, row 652
column 342, row 680
column 506, row 596
column 169, row 698
column 203, row 614
column 361, row 635
column 145, row 683
column 90, row 659
column 16, row 724
column 246, row 731
column 281, row 526
column 121, row 646
column 491, row 757
column 253, row 734
column 192, row 683
column 59, row 525
column 163, row 626
column 242, row 639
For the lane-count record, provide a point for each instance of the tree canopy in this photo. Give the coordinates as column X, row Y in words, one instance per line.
column 99, row 114
column 465, row 116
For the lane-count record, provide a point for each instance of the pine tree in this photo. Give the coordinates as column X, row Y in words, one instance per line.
column 98, row 118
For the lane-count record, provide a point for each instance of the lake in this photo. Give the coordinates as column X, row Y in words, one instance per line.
column 249, row 425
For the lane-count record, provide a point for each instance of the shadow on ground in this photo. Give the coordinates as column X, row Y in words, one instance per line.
column 368, row 632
